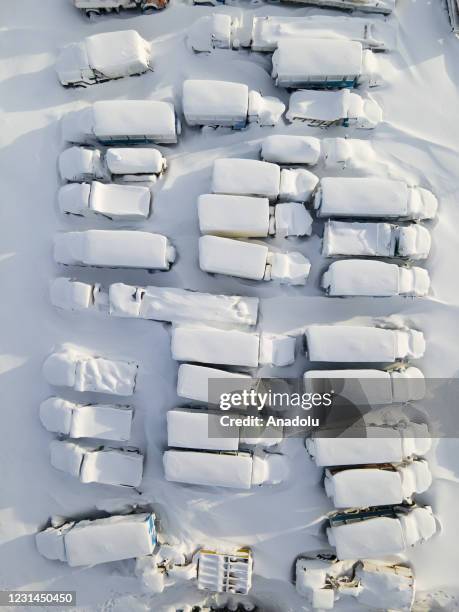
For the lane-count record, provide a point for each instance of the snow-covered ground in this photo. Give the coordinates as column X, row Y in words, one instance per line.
column 417, row 142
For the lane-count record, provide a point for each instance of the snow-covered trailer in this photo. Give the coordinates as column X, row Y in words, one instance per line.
column 102, row 57
column 291, row 149
column 102, row 465
column 362, row 344
column 225, row 572
column 230, row 470
column 381, row 485
column 373, row 197
column 83, row 372
column 114, row 249
column 342, row 238
column 363, row 277
column 104, row 421
column 193, row 382
column 374, row 387
column 83, row 164
column 219, row 255
column 372, row 6
column 122, row 122
column 251, row 177
column 226, row 104
column 91, row 542
column 340, row 108
column 250, row 217
column 96, row 7
column 374, row 533
column 314, row 63
column 116, row 202
column 369, row 445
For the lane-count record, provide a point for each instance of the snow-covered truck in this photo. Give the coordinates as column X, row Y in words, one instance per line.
column 122, row 122
column 97, row 7
column 382, row 485
column 239, row 470
column 90, row 542
column 129, row 165
column 291, row 149
column 251, row 177
column 193, row 382
column 373, row 197
column 102, row 421
column 362, row 344
column 84, row 372
column 226, row 104
column 253, row 261
column 369, row 445
column 250, row 217
column 324, row 109
column 102, row 465
column 323, row 581
column 380, row 532
column 103, row 57
column 453, row 11
column 372, row 6
column 116, row 202
column 364, row 277
column 343, row 238
column 114, row 249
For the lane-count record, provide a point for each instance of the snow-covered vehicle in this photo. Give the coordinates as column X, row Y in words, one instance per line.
column 364, row 344
column 381, row 485
column 84, row 372
column 250, row 217
column 355, row 277
column 320, row 63
column 349, row 153
column 96, row 7
column 373, row 197
column 122, row 122
column 226, row 104
column 239, row 470
column 251, row 177
column 198, row 429
column 379, row 532
column 225, row 572
column 114, row 249
column 104, row 421
column 291, row 149
column 340, row 108
column 103, row 465
column 116, row 202
column 372, row 6
column 233, row 347
column 218, row 255
column 90, row 542
column 453, row 11
column 193, row 382
column 323, row 580
column 369, row 445
column 83, row 164
column 343, row 238
column 102, row 57
column 374, row 387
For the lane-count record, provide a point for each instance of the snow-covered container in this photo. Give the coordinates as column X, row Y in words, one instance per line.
column 358, row 343
column 342, row 238
column 96, row 7
column 373, row 197
column 219, row 255
column 320, row 63
column 363, row 487
column 369, row 386
column 84, row 372
column 234, row 471
column 372, row 6
column 116, row 202
column 193, row 382
column 291, row 149
column 91, row 542
column 74, row 295
column 102, row 465
column 105, row 56
column 363, row 277
column 104, row 421
column 369, row 445
column 225, row 572
column 114, row 249
column 341, row 108
column 211, row 32
column 379, row 533
column 123, row 122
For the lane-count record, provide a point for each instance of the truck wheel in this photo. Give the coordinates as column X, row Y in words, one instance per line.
column 91, row 13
